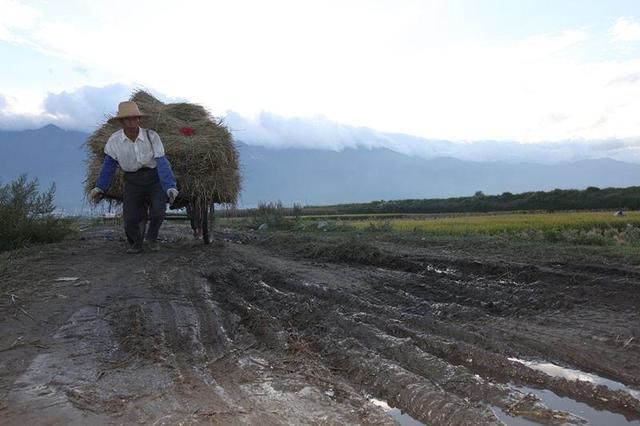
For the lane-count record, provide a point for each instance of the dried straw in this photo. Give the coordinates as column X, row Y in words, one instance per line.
column 205, row 164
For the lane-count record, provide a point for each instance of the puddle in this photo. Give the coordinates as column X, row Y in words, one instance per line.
column 593, row 416
column 574, row 375
column 396, row 414
column 510, row 420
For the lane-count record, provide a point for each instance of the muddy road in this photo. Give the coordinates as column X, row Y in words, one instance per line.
column 259, row 330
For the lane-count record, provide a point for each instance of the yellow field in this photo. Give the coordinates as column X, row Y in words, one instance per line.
column 508, row 223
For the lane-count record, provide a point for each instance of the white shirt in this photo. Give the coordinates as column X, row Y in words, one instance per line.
column 133, row 155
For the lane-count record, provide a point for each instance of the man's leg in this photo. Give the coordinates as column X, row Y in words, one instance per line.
column 144, row 216
column 156, row 212
column 132, row 204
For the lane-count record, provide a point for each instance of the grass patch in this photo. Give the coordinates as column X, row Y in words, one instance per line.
column 354, row 251
column 588, row 228
column 26, row 215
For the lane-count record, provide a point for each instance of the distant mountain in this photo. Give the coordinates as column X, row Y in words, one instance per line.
column 358, row 175
column 315, row 176
column 50, row 154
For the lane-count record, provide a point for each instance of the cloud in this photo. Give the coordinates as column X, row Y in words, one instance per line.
column 81, row 70
column 87, row 107
column 633, row 77
column 626, row 29
column 385, row 69
column 546, row 44
column 14, row 120
column 273, row 131
column 83, row 109
column 15, row 19
column 19, row 121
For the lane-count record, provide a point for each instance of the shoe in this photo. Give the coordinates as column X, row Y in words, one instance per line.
column 134, row 249
column 154, row 246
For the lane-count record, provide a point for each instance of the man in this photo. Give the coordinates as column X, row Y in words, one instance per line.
column 147, row 174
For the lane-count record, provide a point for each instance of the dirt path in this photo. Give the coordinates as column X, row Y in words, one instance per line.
column 241, row 332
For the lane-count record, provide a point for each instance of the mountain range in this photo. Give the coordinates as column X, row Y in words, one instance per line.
column 319, row 176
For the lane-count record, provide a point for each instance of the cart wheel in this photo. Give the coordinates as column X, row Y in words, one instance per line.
column 143, row 228
column 205, row 226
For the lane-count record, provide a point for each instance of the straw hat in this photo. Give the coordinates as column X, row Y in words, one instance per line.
column 127, row 109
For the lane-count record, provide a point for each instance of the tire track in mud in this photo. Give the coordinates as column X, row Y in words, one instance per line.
column 382, row 378
column 236, row 334
column 204, row 345
column 425, row 314
column 362, row 324
column 509, row 316
column 147, row 343
column 596, row 308
column 385, row 378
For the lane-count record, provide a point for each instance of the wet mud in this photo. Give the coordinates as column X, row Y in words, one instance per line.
column 250, row 330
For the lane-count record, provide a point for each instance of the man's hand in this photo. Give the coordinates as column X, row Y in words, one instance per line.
column 96, row 195
column 172, row 193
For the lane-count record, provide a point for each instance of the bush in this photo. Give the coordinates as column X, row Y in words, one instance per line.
column 271, row 213
column 552, row 235
column 380, row 227
column 630, row 235
column 592, row 237
column 296, row 211
column 26, row 215
column 274, row 214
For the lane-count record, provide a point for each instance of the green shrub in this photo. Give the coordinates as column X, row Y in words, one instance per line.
column 552, row 235
column 296, row 211
column 274, row 214
column 380, row 227
column 631, row 235
column 26, row 215
column 592, row 237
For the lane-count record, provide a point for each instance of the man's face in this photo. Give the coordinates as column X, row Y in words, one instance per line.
column 130, row 123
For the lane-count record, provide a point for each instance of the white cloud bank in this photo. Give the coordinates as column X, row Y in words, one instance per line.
column 278, row 132
column 83, row 109
column 86, row 108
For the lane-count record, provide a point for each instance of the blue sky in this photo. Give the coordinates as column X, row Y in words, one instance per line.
column 463, row 70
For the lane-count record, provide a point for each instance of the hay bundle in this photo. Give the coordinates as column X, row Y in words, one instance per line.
column 205, row 163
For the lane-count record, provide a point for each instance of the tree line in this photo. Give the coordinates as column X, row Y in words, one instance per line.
column 591, row 198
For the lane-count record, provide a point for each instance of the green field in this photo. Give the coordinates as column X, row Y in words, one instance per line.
column 596, row 223
column 574, row 227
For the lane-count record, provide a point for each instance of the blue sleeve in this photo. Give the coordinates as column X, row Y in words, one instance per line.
column 109, row 166
column 167, row 179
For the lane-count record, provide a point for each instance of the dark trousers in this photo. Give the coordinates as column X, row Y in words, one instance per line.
column 142, row 190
